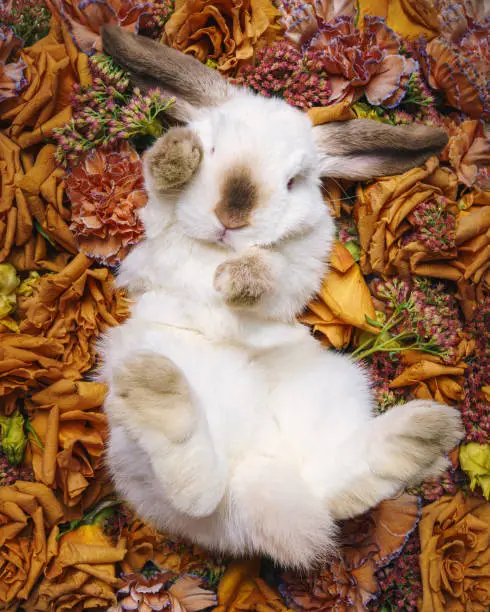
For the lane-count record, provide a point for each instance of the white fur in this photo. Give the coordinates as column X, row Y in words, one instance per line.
column 284, row 440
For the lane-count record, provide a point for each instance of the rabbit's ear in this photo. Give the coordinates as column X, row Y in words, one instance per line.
column 364, row 148
column 154, row 65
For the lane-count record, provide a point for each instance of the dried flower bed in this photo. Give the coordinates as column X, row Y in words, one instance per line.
column 408, row 292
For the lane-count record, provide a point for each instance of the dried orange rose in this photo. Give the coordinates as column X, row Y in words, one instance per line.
column 407, row 223
column 106, row 190
column 81, row 573
column 224, row 31
column 72, row 307
column 54, row 65
column 72, row 435
column 455, row 557
column 343, row 302
column 29, row 512
column 28, row 361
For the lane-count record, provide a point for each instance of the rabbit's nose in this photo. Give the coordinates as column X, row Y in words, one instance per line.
column 229, row 220
column 238, row 198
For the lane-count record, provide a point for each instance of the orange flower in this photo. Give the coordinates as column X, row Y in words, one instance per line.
column 32, row 193
column 11, row 74
column 468, row 152
column 106, row 190
column 409, row 18
column 71, row 308
column 430, row 378
column 242, row 589
column 29, row 512
column 369, row 543
column 455, row 557
column 225, row 31
column 81, row 573
column 72, row 434
column 54, row 65
column 408, row 223
column 27, row 362
column 343, row 302
column 85, row 19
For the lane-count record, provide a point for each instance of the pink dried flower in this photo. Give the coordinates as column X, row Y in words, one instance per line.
column 281, row 70
column 366, row 62
column 434, row 225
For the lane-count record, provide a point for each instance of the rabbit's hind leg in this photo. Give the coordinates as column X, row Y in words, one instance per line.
column 152, row 399
column 278, row 515
column 397, row 449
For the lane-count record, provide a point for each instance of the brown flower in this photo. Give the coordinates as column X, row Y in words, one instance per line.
column 455, row 557
column 11, row 73
column 29, row 512
column 408, row 223
column 53, row 66
column 342, row 303
column 368, row 543
column 468, row 152
column 456, row 72
column 81, row 573
column 106, row 190
column 430, row 378
column 224, row 31
column 85, row 19
column 71, row 308
column 364, row 62
column 411, row 19
column 27, row 362
column 72, row 435
column 161, row 591
column 241, row 588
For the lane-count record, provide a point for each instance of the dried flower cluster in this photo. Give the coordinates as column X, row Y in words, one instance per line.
column 408, row 291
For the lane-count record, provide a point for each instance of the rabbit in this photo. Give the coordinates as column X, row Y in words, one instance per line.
column 229, row 423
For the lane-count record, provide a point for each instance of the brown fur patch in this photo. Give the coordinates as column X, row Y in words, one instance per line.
column 239, row 196
column 150, row 390
column 243, row 280
column 174, row 158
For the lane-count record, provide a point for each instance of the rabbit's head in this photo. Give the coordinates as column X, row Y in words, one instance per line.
column 261, row 160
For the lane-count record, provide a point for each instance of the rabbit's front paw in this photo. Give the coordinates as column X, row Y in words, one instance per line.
column 244, row 279
column 413, row 440
column 174, row 158
column 152, row 390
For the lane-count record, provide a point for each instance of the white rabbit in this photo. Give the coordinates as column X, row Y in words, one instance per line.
column 229, row 423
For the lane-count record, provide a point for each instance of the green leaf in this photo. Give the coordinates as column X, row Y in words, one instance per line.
column 373, row 322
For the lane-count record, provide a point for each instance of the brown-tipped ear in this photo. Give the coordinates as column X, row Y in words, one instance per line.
column 363, row 148
column 181, row 76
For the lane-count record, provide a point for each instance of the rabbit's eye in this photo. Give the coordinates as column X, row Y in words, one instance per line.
column 292, row 182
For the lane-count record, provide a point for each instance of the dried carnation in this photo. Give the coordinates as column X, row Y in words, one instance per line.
column 366, row 62
column 106, row 190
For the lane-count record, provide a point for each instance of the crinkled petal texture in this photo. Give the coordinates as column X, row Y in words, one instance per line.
column 12, row 79
column 225, row 31
column 448, row 69
column 106, row 190
column 364, row 61
column 368, row 543
column 455, row 557
column 85, row 18
column 29, row 512
column 468, row 153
